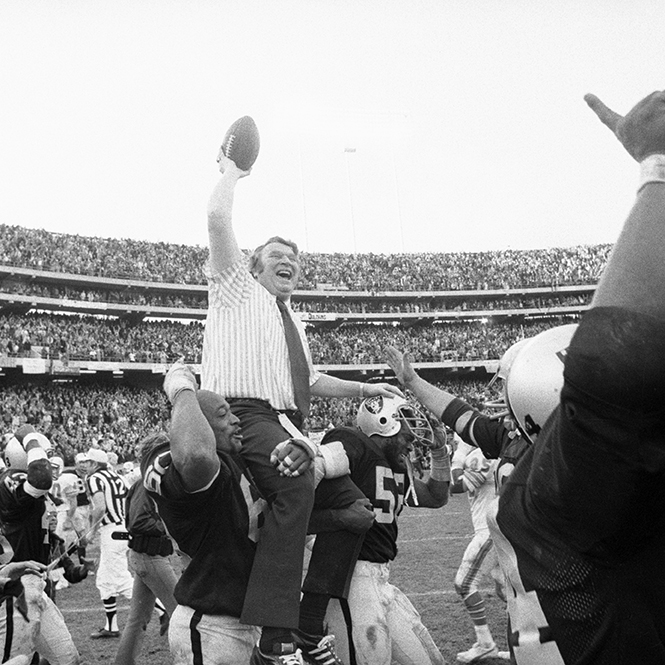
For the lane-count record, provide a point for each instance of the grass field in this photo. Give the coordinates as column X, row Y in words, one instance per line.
column 431, row 545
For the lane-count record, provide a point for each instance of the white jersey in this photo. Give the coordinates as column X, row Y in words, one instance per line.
column 66, row 488
column 468, row 457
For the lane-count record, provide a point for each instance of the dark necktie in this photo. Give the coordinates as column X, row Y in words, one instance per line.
column 297, row 360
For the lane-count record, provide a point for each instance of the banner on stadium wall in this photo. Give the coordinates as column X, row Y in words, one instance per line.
column 34, row 366
column 318, row 316
column 6, row 361
column 58, row 367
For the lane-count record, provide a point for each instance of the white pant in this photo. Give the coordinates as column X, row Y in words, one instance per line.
column 479, row 559
column 113, row 577
column 46, row 631
column 386, row 627
column 209, row 639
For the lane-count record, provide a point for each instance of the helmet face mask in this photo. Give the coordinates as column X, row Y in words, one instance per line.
column 385, row 416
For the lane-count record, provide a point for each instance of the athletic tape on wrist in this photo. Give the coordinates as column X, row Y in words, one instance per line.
column 440, row 468
column 181, row 390
column 652, row 169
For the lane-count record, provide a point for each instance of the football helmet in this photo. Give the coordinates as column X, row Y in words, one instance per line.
column 15, row 455
column 506, row 362
column 384, row 416
column 534, row 383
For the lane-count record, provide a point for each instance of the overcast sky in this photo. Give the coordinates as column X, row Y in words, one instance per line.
column 418, row 125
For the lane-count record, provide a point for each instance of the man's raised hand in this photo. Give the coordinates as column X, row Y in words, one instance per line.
column 642, row 130
column 180, row 377
column 400, row 364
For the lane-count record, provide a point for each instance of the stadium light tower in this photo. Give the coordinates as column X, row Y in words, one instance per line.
column 350, row 151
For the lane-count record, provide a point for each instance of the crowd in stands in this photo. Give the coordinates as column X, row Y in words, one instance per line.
column 182, row 264
column 78, row 337
column 327, row 304
column 75, row 417
column 118, row 417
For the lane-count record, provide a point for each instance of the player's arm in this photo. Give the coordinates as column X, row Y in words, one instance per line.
column 331, row 386
column 434, row 399
column 356, row 518
column 471, row 425
column 193, row 446
column 434, row 492
column 635, row 273
column 224, row 249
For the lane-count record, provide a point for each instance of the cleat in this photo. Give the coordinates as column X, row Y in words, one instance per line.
column 103, row 633
column 321, row 652
column 477, row 653
column 503, row 655
column 283, row 654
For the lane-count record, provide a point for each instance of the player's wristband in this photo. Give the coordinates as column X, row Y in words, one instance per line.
column 440, row 465
column 652, row 169
column 451, row 414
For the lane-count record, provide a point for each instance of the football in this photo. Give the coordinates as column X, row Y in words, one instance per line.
column 241, row 143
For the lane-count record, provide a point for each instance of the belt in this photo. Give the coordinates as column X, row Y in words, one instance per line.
column 264, row 403
column 151, row 545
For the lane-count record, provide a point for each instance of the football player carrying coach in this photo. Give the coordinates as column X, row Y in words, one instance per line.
column 385, row 627
column 212, row 512
column 255, row 354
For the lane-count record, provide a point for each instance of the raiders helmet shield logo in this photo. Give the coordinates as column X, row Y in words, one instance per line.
column 374, row 404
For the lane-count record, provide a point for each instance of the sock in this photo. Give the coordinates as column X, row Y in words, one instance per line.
column 161, row 610
column 313, row 608
column 111, row 608
column 271, row 636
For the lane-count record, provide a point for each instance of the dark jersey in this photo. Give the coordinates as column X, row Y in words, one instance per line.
column 382, row 485
column 216, row 527
column 23, row 517
column 497, row 442
column 580, row 521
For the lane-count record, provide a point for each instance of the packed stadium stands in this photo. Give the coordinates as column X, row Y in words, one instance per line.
column 88, row 325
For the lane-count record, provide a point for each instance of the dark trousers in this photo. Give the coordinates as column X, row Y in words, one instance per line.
column 273, row 592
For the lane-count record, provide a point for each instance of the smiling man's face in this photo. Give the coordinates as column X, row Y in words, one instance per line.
column 278, row 270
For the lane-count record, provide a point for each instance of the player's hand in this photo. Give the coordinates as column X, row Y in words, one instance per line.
column 291, row 457
column 356, row 518
column 180, row 377
column 642, row 130
column 88, row 564
column 227, row 165
column 400, row 364
column 16, row 569
column 383, row 389
column 474, row 479
column 440, row 435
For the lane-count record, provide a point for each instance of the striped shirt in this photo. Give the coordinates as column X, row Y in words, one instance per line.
column 244, row 347
column 111, row 485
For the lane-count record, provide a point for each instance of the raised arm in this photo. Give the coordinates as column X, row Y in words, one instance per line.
column 224, row 249
column 634, row 277
column 193, row 446
column 432, row 398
